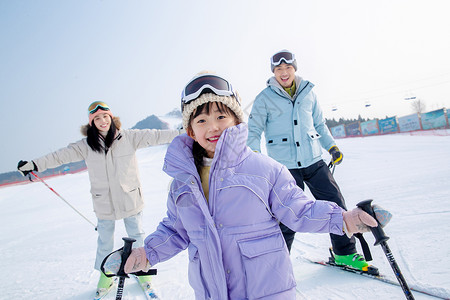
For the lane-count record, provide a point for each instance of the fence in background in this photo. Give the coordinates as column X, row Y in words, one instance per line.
column 437, row 119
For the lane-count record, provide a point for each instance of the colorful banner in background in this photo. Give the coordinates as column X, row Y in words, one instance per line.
column 353, row 129
column 388, row 125
column 434, row 119
column 437, row 119
column 409, row 123
column 338, row 131
column 370, row 127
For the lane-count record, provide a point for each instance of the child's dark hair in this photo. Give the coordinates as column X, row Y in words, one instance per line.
column 93, row 137
column 198, row 151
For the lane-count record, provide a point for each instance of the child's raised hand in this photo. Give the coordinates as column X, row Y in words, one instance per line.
column 357, row 220
column 137, row 261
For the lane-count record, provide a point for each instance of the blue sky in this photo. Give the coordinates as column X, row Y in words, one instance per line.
column 56, row 57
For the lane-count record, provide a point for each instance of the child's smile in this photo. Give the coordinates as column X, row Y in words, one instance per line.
column 208, row 127
column 214, row 139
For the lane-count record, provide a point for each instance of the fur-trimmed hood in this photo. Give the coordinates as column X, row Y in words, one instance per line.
column 116, row 120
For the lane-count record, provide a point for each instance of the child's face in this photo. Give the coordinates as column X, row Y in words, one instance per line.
column 284, row 74
column 207, row 128
column 102, row 122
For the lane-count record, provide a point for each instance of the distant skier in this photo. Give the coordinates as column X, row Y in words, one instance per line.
column 109, row 153
column 288, row 113
column 225, row 201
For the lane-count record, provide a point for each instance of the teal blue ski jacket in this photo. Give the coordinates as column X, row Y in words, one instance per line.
column 294, row 127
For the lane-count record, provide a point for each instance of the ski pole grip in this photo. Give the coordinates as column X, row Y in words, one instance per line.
column 125, row 254
column 150, row 272
column 378, row 232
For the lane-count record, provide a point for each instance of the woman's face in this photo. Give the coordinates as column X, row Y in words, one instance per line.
column 206, row 128
column 102, row 122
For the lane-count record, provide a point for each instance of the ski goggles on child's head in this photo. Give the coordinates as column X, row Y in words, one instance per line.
column 206, row 83
column 277, row 58
column 97, row 105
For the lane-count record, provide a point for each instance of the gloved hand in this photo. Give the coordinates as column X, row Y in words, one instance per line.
column 357, row 220
column 137, row 261
column 25, row 167
column 336, row 155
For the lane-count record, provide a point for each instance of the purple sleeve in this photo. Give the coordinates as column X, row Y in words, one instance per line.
column 169, row 239
column 293, row 208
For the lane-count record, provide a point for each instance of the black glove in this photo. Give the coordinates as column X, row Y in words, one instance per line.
column 25, row 167
column 336, row 155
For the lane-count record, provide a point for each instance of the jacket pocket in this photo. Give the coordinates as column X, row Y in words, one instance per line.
column 195, row 274
column 102, row 203
column 314, row 138
column 133, row 197
column 267, row 266
column 279, row 147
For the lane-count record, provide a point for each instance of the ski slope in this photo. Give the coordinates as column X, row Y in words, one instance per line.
column 48, row 251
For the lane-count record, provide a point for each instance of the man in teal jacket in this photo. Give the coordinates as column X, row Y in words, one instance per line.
column 288, row 113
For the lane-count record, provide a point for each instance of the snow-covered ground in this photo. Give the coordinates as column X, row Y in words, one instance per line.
column 47, row 250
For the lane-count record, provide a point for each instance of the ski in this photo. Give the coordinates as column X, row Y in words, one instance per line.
column 148, row 290
column 379, row 277
column 106, row 293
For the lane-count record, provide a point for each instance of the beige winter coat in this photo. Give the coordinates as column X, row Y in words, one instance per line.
column 115, row 186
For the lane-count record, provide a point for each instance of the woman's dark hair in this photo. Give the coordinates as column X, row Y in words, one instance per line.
column 198, row 151
column 94, row 136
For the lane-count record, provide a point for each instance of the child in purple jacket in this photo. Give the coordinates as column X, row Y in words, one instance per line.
column 225, row 202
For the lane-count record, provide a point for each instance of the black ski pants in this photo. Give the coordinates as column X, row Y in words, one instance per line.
column 322, row 185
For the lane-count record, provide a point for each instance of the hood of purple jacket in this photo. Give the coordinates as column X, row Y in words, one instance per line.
column 231, row 149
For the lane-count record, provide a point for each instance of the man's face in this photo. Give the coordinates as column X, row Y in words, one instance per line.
column 284, row 74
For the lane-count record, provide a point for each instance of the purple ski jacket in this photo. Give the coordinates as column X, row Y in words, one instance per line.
column 235, row 246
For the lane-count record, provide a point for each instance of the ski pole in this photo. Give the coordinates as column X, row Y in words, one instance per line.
column 381, row 238
column 121, row 273
column 50, row 188
column 331, row 166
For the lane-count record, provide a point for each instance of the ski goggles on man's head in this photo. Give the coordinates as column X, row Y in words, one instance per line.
column 278, row 58
column 97, row 105
column 203, row 84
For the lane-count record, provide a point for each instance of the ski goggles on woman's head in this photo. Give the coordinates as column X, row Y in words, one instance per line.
column 97, row 105
column 206, row 83
column 277, row 58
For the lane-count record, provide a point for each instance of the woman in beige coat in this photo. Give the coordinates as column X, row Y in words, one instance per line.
column 110, row 156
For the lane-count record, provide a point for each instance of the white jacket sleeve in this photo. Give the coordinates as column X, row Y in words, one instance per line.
column 72, row 153
column 151, row 137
